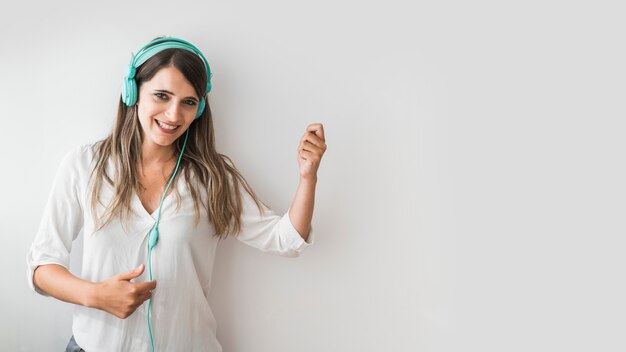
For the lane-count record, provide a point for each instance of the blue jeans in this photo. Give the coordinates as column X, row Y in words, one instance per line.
column 72, row 346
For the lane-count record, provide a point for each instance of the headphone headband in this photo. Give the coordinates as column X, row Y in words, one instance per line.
column 158, row 45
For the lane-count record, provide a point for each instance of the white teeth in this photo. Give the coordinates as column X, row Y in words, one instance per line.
column 166, row 126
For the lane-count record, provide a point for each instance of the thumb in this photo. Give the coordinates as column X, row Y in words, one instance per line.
column 133, row 273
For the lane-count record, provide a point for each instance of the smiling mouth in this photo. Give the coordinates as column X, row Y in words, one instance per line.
column 166, row 126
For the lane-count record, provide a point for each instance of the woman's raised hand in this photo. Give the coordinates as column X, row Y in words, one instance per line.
column 310, row 151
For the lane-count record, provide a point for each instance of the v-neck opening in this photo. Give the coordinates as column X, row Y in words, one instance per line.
column 155, row 213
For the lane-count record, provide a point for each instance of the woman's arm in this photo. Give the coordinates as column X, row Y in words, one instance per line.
column 301, row 210
column 56, row 281
column 310, row 151
column 116, row 295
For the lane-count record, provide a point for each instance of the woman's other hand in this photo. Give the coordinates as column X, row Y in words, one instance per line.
column 310, row 151
column 120, row 297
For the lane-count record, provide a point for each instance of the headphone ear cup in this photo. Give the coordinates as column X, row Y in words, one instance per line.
column 201, row 105
column 129, row 91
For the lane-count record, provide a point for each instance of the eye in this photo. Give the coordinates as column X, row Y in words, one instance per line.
column 161, row 96
column 190, row 102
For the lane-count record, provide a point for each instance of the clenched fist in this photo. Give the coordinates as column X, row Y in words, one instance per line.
column 120, row 297
column 310, row 151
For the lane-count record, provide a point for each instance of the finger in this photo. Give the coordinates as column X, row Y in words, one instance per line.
column 317, row 129
column 311, row 138
column 318, row 149
column 310, row 156
column 144, row 287
column 311, row 148
column 144, row 297
column 132, row 274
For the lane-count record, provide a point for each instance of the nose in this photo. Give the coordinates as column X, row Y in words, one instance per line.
column 173, row 111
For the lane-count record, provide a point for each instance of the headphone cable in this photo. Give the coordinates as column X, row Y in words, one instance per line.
column 154, row 234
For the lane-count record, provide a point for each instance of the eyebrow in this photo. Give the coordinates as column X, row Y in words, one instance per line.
column 168, row 92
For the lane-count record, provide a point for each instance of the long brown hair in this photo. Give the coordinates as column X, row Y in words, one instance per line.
column 212, row 172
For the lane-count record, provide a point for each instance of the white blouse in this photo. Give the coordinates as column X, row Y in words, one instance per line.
column 182, row 260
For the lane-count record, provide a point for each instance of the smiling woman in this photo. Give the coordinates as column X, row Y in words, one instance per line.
column 167, row 106
column 115, row 191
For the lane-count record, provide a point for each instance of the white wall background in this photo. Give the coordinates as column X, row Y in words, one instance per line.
column 472, row 197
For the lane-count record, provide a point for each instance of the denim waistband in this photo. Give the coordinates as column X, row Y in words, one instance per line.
column 72, row 346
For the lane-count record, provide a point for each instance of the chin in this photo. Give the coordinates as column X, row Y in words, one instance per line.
column 164, row 141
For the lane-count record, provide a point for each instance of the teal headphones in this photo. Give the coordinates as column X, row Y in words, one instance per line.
column 129, row 86
column 129, row 97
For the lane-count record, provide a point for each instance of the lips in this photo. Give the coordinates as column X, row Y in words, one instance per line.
column 166, row 128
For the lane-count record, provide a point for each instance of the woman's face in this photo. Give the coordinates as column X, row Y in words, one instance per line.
column 166, row 106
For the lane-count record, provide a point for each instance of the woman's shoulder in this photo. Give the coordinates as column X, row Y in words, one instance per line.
column 79, row 158
column 82, row 152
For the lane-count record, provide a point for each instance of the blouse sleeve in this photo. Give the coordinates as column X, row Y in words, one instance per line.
column 270, row 232
column 61, row 223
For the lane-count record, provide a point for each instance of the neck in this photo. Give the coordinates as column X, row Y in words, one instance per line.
column 154, row 155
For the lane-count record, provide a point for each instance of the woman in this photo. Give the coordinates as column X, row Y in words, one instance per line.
column 152, row 200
